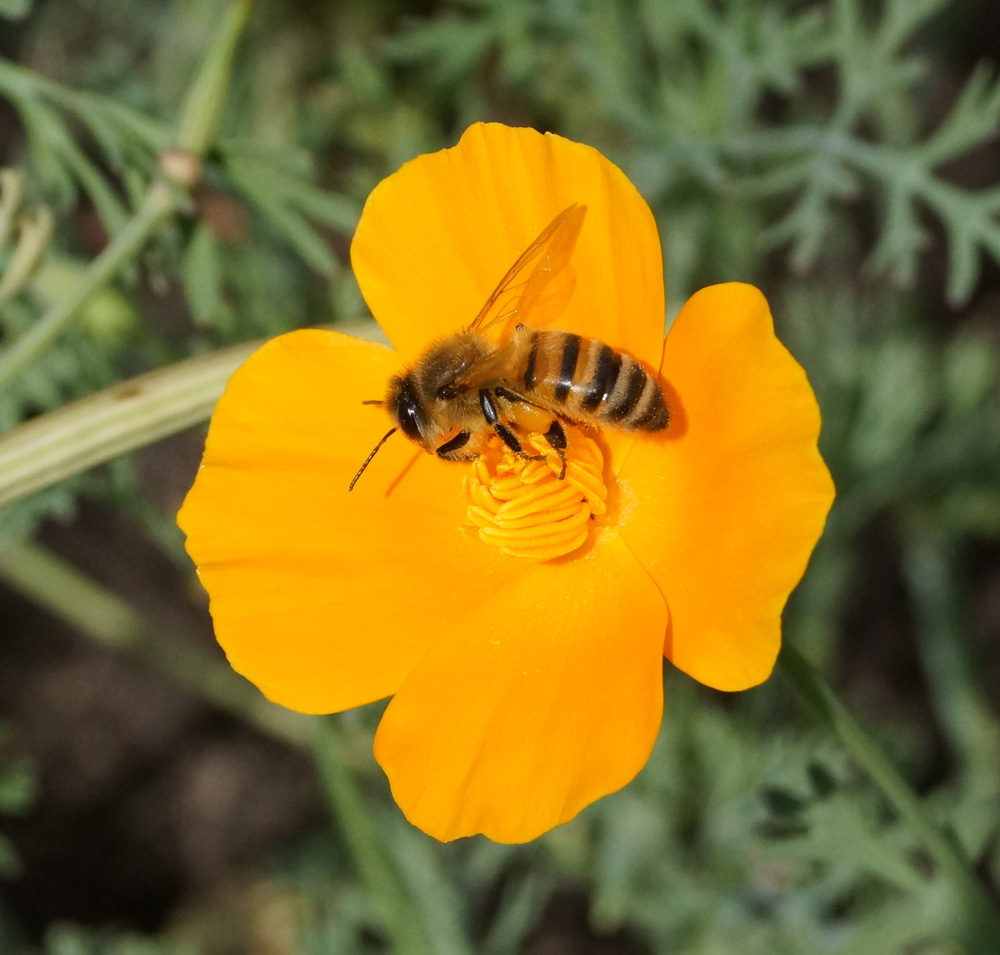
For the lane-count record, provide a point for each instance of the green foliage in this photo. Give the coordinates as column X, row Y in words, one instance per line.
column 685, row 86
column 909, row 422
column 732, row 839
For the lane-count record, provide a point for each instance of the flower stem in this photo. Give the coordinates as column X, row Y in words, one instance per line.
column 199, row 117
column 977, row 923
column 160, row 203
column 196, row 130
column 342, row 793
column 124, row 417
column 111, row 621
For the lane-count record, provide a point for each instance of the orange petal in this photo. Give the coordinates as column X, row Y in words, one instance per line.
column 548, row 700
column 725, row 508
column 437, row 236
column 326, row 599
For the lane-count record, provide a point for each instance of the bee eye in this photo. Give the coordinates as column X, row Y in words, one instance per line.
column 408, row 410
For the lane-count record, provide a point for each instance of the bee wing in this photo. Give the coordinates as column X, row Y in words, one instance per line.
column 488, row 369
column 546, row 258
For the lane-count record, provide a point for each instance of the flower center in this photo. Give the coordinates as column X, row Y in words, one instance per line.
column 520, row 503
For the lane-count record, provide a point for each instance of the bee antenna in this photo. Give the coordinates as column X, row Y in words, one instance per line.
column 368, row 460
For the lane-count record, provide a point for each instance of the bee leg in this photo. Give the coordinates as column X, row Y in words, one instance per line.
column 506, row 395
column 459, row 441
column 488, row 408
column 508, row 437
column 556, row 437
column 514, row 397
column 521, row 409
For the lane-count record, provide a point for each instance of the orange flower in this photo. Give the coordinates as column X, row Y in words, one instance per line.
column 522, row 690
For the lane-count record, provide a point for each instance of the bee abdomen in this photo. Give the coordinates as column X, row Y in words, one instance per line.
column 590, row 380
column 634, row 400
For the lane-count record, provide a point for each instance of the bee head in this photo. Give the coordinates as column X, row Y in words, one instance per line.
column 405, row 408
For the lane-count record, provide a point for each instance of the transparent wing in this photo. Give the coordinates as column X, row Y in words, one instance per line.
column 529, row 281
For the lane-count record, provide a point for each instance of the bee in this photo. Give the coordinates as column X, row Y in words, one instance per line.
column 465, row 388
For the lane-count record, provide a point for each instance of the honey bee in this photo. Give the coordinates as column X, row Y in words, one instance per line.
column 465, row 388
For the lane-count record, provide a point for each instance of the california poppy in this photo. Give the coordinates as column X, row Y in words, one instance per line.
column 522, row 690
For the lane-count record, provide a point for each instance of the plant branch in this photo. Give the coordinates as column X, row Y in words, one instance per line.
column 977, row 925
column 112, row 622
column 126, row 416
column 129, row 415
column 161, row 202
column 199, row 117
column 196, row 129
column 401, row 922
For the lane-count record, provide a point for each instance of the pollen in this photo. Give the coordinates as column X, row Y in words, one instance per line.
column 528, row 505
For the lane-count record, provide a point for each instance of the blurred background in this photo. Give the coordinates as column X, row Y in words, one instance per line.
column 840, row 154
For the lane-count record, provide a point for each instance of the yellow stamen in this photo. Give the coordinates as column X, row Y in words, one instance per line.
column 524, row 508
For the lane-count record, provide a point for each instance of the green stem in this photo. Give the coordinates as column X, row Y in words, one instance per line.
column 112, row 622
column 199, row 117
column 978, row 925
column 345, row 800
column 196, row 130
column 160, row 203
column 124, row 417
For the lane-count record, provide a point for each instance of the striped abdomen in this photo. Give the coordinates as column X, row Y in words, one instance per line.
column 588, row 380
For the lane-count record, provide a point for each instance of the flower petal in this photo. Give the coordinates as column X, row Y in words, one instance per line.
column 725, row 508
column 549, row 700
column 326, row 599
column 437, row 236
